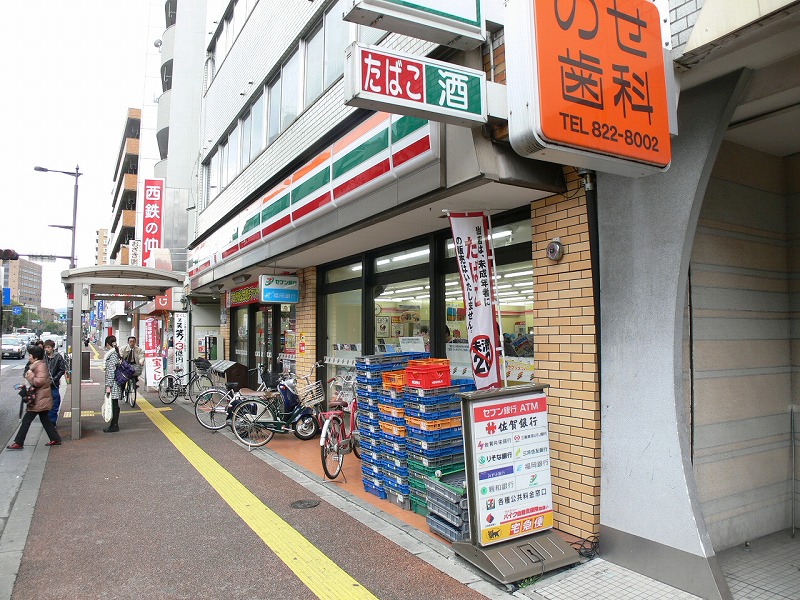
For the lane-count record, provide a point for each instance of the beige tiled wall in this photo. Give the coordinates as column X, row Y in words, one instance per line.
column 566, row 356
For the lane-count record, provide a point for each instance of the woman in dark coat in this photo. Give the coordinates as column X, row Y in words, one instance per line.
column 38, row 376
column 112, row 387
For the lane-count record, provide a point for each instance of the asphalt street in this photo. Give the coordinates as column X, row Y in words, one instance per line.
column 10, row 375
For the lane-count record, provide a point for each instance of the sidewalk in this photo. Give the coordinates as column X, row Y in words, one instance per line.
column 132, row 514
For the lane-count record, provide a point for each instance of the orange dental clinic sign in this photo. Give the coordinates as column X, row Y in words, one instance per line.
column 597, row 81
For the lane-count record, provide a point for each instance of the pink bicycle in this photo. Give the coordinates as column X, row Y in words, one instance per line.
column 339, row 437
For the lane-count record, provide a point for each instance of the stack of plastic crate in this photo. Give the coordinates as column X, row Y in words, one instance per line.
column 433, row 424
column 369, row 391
column 448, row 515
column 394, row 458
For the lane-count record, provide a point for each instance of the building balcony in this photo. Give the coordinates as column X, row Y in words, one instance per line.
column 125, row 193
column 167, row 54
column 123, row 230
column 160, row 169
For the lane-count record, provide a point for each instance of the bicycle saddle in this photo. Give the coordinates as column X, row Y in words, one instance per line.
column 232, row 385
column 337, row 404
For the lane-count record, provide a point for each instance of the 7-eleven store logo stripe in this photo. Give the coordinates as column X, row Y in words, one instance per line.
column 382, row 147
column 311, row 189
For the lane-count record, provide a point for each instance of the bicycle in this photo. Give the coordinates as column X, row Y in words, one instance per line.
column 336, row 439
column 188, row 385
column 212, row 407
column 255, row 421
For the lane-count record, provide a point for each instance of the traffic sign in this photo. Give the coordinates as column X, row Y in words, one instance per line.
column 16, row 310
column 6, row 296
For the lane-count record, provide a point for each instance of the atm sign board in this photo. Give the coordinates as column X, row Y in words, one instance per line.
column 280, row 289
column 598, row 78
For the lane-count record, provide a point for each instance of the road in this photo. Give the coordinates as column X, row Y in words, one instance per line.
column 9, row 400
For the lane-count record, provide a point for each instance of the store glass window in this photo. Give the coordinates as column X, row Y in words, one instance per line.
column 514, row 285
column 287, row 351
column 351, row 271
column 402, row 260
column 241, row 335
column 343, row 339
column 402, row 309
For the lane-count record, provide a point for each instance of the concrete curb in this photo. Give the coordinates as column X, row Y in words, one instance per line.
column 21, row 483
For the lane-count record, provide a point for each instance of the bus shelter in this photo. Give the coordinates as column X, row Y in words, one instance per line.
column 107, row 282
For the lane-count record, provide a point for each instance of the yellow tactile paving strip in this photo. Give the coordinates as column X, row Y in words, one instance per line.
column 319, row 573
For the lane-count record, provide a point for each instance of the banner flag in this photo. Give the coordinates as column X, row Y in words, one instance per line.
column 476, row 267
column 153, row 365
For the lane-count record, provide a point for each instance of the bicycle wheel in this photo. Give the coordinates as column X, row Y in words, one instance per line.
column 211, row 409
column 130, row 393
column 199, row 384
column 251, row 422
column 330, row 449
column 166, row 389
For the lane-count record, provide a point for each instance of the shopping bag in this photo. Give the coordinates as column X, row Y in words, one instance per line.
column 106, row 410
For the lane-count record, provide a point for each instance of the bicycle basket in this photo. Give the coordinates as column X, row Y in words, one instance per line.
column 312, row 394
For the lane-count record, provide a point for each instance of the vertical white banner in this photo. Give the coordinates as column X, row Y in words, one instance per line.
column 476, row 267
column 135, row 253
column 179, row 341
column 153, row 365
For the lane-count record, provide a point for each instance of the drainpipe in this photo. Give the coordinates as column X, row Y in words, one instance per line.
column 590, row 186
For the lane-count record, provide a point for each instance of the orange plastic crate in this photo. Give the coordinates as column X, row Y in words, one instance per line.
column 424, row 362
column 392, row 429
column 394, row 380
column 432, row 424
column 392, row 410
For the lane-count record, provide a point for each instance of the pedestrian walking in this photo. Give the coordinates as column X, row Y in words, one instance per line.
column 57, row 367
column 112, row 359
column 38, row 376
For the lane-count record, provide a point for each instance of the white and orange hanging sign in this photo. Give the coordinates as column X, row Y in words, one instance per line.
column 475, row 265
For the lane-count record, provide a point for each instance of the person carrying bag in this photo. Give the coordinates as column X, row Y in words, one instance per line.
column 38, row 376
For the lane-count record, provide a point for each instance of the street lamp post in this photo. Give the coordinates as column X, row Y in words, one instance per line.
column 76, row 174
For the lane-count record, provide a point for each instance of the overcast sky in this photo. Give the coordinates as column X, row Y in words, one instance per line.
column 71, row 71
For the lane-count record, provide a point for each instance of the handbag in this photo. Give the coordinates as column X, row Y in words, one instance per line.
column 107, row 411
column 28, row 394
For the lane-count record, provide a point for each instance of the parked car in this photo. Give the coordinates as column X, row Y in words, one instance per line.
column 14, row 346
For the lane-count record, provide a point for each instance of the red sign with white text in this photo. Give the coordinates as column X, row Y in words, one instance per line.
column 152, row 237
column 601, row 80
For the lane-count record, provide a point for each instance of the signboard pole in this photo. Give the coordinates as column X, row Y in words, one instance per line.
column 507, row 455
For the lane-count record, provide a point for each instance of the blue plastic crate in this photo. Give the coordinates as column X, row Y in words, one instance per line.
column 434, row 414
column 393, row 420
column 425, row 405
column 434, row 436
column 370, row 466
column 391, row 451
column 369, row 445
column 367, row 424
column 374, row 489
column 392, row 484
column 372, row 437
column 397, row 400
column 389, row 466
column 395, row 441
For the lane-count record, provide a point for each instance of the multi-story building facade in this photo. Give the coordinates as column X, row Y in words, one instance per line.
column 101, row 252
column 665, row 332
column 123, row 202
column 24, row 278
